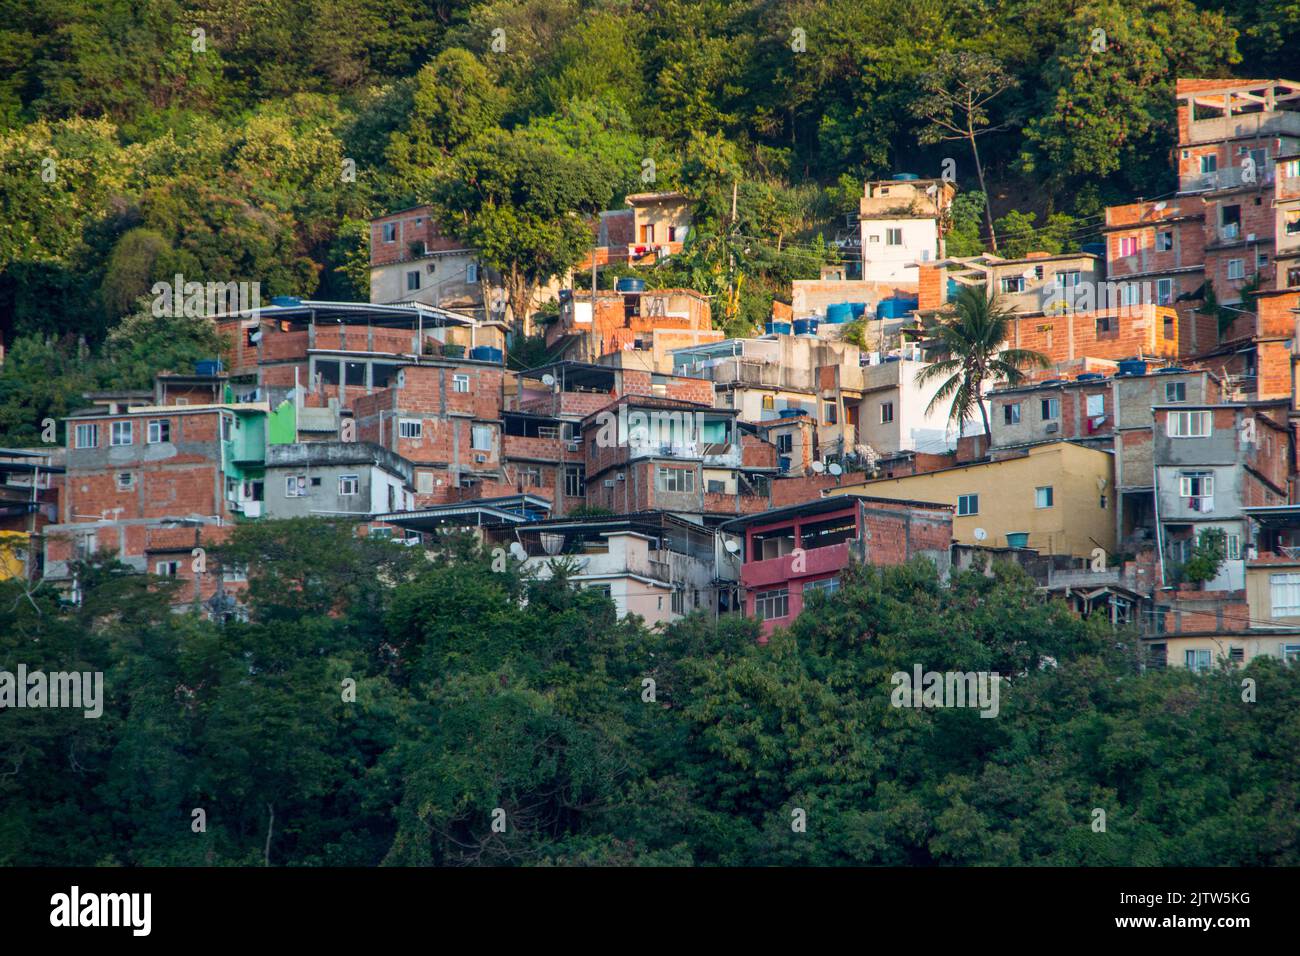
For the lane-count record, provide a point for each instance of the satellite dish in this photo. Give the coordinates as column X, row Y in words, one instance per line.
column 835, row 469
column 1159, row 206
column 519, row 551
column 980, row 534
column 732, row 545
column 548, row 379
column 818, row 467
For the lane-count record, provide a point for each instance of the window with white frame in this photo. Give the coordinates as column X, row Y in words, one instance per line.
column 167, row 569
column 481, row 438
column 1164, row 291
column 410, row 428
column 893, row 237
column 1043, row 496
column 772, row 605
column 1236, row 269
column 1128, row 246
column 826, row 586
column 968, row 505
column 1096, row 405
column 413, row 280
column 1050, row 409
column 675, row 479
column 424, row 482
column 1197, row 489
column 1232, row 547
column 349, row 485
column 122, row 433
column 160, row 430
column 390, row 232
column 1175, row 392
column 1013, row 284
column 1285, row 594
column 460, row 383
column 1188, row 424
column 1011, row 413
column 575, row 481
column 1164, row 240
column 1197, row 660
column 125, row 481
column 295, row 486
column 1129, row 293
column 87, row 436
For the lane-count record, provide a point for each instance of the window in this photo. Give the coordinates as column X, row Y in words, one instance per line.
column 1291, row 168
column 1103, row 324
column 893, row 237
column 1197, row 660
column 575, row 481
column 1051, row 409
column 771, row 605
column 1175, row 392
column 1129, row 293
column 784, row 444
column 460, row 383
column 1128, row 246
column 1096, row 405
column 424, row 482
column 1188, row 424
column 1043, row 497
column 1164, row 291
column 295, row 486
column 481, row 438
column 1013, row 284
column 234, row 572
column 1293, row 276
column 1069, row 280
column 601, row 589
column 1198, row 488
column 87, row 436
column 167, row 569
column 471, row 273
column 1261, row 261
column 1291, row 652
column 390, row 232
column 160, row 430
column 675, row 479
column 410, row 428
column 530, row 477
column 348, row 486
column 227, row 427
column 769, row 402
column 968, row 505
column 826, row 586
column 125, row 481
column 1291, row 221
column 1011, row 414
column 886, row 412
column 1236, row 269
column 413, row 280
column 1209, row 163
column 1230, row 220
column 1164, row 241
column 679, row 601
column 1232, row 547
column 122, row 433
column 830, row 414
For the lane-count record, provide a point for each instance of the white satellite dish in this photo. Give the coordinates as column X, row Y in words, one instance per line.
column 519, row 551
column 818, row 467
column 1159, row 206
column 548, row 379
column 732, row 545
column 980, row 534
column 835, row 469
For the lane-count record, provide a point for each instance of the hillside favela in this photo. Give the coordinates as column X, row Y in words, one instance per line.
column 688, row 434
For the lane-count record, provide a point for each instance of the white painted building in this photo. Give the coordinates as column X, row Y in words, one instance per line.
column 901, row 224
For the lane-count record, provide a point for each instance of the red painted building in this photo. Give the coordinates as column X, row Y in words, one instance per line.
column 788, row 552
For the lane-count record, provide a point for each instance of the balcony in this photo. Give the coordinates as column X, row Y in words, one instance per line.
column 775, row 571
column 1233, row 177
column 1247, row 124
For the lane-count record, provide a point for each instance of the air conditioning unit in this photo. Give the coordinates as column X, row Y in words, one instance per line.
column 621, row 477
column 609, row 483
column 1053, row 428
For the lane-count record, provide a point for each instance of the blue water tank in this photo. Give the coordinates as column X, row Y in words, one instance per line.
column 837, row 313
column 630, row 285
column 857, row 308
column 287, row 301
column 1089, row 377
column 895, row 307
column 208, row 367
column 805, row 326
column 1094, row 248
column 1017, row 539
column 486, row 353
column 777, row 328
column 790, row 412
column 1132, row 367
column 907, row 177
column 953, row 287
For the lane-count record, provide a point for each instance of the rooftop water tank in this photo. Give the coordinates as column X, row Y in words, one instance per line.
column 838, row 313
column 1017, row 539
column 486, row 353
column 857, row 308
column 1094, row 248
column 287, row 301
column 208, row 367
column 895, row 307
column 905, row 176
column 777, row 328
column 1132, row 367
column 1089, row 377
column 630, row 284
column 805, row 326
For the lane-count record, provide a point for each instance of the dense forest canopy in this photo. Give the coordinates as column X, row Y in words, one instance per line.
column 231, row 140
column 481, row 695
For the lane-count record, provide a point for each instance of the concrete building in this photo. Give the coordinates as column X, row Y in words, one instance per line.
column 902, row 222
column 1053, row 497
column 336, row 479
column 413, row 261
column 788, row 553
column 641, row 327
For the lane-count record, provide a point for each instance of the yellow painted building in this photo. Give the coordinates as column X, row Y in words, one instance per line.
column 13, row 545
column 1059, row 493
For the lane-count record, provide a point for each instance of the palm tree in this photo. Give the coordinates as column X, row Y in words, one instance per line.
column 970, row 353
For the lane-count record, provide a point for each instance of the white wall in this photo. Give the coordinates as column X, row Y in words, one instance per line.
column 885, row 263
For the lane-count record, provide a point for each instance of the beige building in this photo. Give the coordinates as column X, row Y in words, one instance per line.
column 1057, row 494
